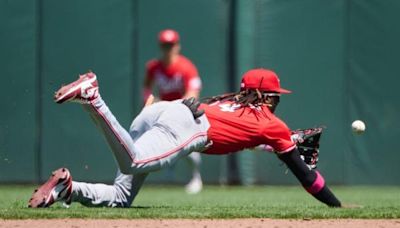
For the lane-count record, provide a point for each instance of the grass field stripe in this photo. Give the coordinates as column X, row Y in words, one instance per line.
column 168, row 201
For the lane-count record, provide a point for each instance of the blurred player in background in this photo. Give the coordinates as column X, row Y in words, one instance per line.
column 165, row 131
column 175, row 77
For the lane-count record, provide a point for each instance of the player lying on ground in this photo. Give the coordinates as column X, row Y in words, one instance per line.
column 166, row 131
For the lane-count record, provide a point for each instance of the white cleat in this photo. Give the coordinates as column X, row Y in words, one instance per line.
column 194, row 186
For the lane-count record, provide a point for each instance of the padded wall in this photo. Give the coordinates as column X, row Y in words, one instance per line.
column 338, row 57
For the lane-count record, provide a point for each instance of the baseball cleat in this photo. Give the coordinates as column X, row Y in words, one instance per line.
column 57, row 188
column 84, row 90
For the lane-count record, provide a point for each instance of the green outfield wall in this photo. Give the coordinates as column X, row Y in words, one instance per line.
column 340, row 58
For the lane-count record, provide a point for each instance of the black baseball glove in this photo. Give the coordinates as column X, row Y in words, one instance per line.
column 307, row 141
column 193, row 106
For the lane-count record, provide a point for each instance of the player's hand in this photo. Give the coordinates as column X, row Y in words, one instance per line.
column 193, row 106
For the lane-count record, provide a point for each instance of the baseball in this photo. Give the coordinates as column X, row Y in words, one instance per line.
column 358, row 126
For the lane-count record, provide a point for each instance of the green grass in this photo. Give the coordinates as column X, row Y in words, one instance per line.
column 217, row 202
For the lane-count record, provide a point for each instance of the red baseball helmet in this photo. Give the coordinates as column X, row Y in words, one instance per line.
column 263, row 80
column 168, row 36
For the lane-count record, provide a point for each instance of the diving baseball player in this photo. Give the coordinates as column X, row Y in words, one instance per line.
column 166, row 131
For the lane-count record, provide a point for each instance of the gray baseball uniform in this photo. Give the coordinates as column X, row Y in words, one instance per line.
column 159, row 136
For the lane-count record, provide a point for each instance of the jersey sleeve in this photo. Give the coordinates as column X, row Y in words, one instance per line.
column 192, row 78
column 277, row 135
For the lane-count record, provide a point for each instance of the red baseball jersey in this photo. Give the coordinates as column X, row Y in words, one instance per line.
column 174, row 80
column 233, row 128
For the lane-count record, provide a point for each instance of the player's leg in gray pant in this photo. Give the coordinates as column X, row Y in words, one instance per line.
column 195, row 184
column 174, row 134
column 120, row 194
column 125, row 187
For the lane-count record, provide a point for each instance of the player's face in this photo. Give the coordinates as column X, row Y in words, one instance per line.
column 273, row 101
column 170, row 48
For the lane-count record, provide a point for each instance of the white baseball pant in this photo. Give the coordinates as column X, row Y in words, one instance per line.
column 160, row 135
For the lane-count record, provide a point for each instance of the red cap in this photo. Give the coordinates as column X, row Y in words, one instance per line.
column 262, row 79
column 168, row 36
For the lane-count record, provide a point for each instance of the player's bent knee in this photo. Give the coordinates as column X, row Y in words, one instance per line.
column 125, row 171
column 129, row 170
column 133, row 169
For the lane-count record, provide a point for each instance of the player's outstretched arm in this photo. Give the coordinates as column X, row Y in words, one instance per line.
column 311, row 180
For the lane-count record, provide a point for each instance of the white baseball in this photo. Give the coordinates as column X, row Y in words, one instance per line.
column 358, row 126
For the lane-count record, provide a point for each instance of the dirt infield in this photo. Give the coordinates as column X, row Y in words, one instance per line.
column 202, row 223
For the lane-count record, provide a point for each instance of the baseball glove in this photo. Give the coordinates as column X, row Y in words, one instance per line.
column 307, row 141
